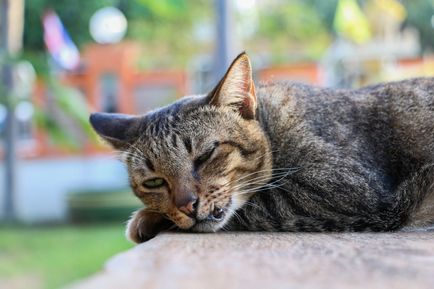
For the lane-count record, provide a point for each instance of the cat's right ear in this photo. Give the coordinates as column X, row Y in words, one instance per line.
column 115, row 128
column 236, row 89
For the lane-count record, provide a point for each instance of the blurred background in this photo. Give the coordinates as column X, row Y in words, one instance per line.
column 64, row 196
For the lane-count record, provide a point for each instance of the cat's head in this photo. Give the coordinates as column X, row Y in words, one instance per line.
column 197, row 160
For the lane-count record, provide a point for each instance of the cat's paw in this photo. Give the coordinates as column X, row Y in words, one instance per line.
column 145, row 225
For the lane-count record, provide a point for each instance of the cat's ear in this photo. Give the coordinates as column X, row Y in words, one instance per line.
column 145, row 225
column 236, row 89
column 117, row 129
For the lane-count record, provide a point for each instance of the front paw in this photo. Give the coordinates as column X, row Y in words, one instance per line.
column 145, row 225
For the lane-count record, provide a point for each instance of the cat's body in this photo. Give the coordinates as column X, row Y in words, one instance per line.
column 281, row 157
column 365, row 158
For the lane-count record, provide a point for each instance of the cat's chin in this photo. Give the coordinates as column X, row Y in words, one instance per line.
column 211, row 226
column 208, row 226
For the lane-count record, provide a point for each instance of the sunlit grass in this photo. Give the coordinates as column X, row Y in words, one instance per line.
column 50, row 257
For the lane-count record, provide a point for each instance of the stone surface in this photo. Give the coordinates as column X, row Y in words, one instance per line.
column 273, row 260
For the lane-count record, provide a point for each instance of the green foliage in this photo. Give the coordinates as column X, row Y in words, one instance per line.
column 102, row 205
column 325, row 11
column 73, row 104
column 56, row 256
column 56, row 133
column 75, row 16
column 151, row 22
column 162, row 26
column 295, row 27
column 419, row 13
column 165, row 29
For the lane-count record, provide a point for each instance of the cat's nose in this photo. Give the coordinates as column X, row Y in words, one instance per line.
column 188, row 205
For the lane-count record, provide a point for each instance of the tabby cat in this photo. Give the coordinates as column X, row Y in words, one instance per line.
column 281, row 157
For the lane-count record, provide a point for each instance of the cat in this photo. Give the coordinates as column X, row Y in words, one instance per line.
column 281, row 157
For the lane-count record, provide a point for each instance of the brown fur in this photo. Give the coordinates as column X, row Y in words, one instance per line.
column 282, row 157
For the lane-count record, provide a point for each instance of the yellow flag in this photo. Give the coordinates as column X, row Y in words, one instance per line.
column 350, row 22
column 391, row 7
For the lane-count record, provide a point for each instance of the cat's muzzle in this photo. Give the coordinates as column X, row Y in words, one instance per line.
column 211, row 222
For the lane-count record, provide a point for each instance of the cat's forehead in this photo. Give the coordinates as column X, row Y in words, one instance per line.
column 181, row 123
column 189, row 116
column 184, row 128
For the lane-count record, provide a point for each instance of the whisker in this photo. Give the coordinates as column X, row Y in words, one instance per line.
column 249, row 203
column 174, row 226
column 240, row 187
column 280, row 170
column 261, row 171
column 265, row 188
column 126, row 154
column 250, row 174
column 253, row 179
column 280, row 177
column 270, row 152
column 136, row 152
column 234, row 213
column 260, row 188
column 257, row 181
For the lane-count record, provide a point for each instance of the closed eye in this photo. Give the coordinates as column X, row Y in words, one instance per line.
column 203, row 158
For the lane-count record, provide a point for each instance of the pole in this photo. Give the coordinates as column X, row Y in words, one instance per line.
column 10, row 133
column 224, row 40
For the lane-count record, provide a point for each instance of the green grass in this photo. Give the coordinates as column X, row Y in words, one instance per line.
column 57, row 255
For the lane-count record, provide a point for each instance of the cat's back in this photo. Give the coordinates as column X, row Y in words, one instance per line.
column 402, row 105
column 329, row 114
column 377, row 122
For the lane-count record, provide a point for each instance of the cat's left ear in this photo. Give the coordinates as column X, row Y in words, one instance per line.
column 236, row 89
column 119, row 130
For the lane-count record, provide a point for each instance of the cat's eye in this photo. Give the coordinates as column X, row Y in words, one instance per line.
column 154, row 183
column 203, row 158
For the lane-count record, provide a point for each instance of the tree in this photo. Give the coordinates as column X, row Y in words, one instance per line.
column 162, row 26
column 419, row 15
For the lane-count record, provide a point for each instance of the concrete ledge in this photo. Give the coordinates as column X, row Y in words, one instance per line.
column 273, row 260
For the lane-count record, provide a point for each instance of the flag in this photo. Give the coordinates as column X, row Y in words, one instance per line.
column 59, row 44
column 350, row 22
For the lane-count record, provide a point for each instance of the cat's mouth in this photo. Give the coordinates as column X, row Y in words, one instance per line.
column 214, row 221
column 206, row 226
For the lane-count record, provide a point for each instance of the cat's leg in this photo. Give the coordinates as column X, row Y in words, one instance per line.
column 419, row 188
column 144, row 225
column 325, row 200
column 255, row 219
column 332, row 200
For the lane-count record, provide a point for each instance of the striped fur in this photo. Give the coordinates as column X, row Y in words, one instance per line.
column 288, row 157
